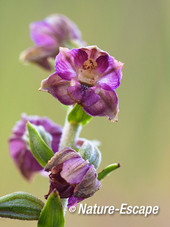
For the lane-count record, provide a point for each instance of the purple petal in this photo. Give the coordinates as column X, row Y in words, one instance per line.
column 54, row 130
column 72, row 201
column 68, row 169
column 57, row 182
column 42, row 34
column 64, row 65
column 109, row 82
column 19, row 148
column 19, row 128
column 111, row 71
column 83, row 94
column 89, row 184
column 107, row 105
column 39, row 55
column 102, row 63
column 60, row 157
column 63, row 28
column 78, row 56
column 58, row 88
column 74, row 170
column 23, row 158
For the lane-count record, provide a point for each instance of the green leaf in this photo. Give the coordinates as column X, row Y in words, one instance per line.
column 41, row 152
column 52, row 213
column 77, row 115
column 107, row 170
column 20, row 205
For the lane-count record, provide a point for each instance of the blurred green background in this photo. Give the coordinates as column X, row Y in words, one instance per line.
column 135, row 32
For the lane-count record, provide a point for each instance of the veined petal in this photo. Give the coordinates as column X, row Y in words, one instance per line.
column 57, row 87
column 112, row 75
column 42, row 33
column 102, row 63
column 107, row 105
column 64, row 66
column 60, row 157
column 63, row 27
column 23, row 158
column 89, row 184
column 74, row 170
column 78, row 56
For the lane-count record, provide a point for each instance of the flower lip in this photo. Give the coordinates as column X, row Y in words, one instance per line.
column 87, row 74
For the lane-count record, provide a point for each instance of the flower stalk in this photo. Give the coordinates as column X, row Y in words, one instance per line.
column 71, row 132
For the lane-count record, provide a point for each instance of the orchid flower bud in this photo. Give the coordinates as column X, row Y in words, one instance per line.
column 89, row 151
column 72, row 176
column 19, row 145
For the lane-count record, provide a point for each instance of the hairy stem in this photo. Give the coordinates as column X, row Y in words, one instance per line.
column 70, row 134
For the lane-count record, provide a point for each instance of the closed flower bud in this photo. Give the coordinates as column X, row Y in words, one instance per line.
column 89, row 151
column 72, row 176
column 19, row 143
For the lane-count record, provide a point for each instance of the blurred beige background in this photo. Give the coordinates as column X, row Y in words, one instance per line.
column 135, row 32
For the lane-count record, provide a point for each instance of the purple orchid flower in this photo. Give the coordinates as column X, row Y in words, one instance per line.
column 87, row 76
column 48, row 35
column 72, row 176
column 19, row 147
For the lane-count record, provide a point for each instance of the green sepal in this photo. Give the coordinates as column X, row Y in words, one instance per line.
column 41, row 152
column 52, row 214
column 78, row 116
column 20, row 205
column 90, row 152
column 107, row 170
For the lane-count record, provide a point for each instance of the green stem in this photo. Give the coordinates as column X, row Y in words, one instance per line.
column 70, row 134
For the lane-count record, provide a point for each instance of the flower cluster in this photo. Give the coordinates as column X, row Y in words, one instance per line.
column 70, row 173
column 85, row 78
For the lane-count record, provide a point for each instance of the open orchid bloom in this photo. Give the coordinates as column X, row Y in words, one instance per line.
column 87, row 76
column 19, row 143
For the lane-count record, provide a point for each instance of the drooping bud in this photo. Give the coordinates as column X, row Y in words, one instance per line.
column 19, row 145
column 72, row 176
column 48, row 35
